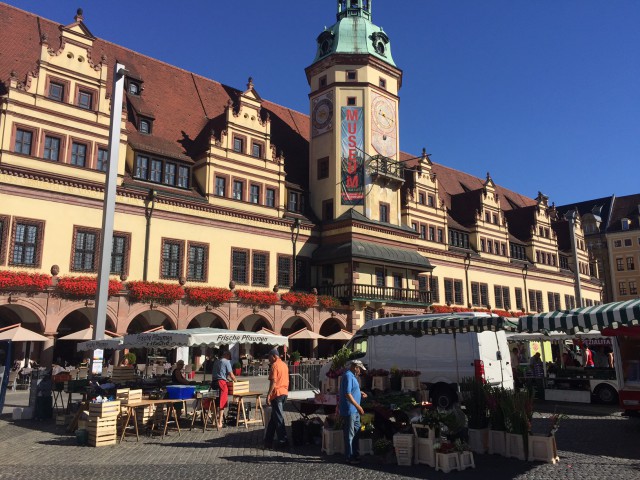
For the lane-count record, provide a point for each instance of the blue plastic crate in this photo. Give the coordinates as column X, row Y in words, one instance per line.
column 180, row 392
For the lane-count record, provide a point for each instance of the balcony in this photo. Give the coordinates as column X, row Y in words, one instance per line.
column 386, row 169
column 350, row 292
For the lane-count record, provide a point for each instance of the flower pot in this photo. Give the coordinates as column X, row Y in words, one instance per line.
column 497, row 442
column 424, row 452
column 237, row 371
column 380, row 383
column 515, row 446
column 366, row 446
column 447, row 462
column 543, row 448
column 410, row 384
column 332, row 441
column 466, row 460
column 479, row 440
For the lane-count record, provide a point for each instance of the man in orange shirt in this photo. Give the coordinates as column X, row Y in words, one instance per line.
column 278, row 391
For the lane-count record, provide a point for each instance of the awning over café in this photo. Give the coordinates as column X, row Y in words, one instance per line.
column 433, row 324
column 212, row 337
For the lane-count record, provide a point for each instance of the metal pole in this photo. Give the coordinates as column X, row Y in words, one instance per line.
column 571, row 217
column 108, row 209
column 295, row 231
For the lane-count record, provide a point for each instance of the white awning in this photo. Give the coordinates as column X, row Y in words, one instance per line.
column 432, row 324
column 212, row 337
column 106, row 344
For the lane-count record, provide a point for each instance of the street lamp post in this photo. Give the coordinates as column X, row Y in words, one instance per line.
column 295, row 232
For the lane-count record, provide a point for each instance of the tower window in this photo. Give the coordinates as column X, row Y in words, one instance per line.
column 352, row 76
column 383, row 83
column 323, row 81
column 351, row 101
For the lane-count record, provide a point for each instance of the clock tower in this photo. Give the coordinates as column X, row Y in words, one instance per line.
column 354, row 146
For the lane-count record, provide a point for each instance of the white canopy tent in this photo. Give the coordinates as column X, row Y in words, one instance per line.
column 192, row 337
column 106, row 344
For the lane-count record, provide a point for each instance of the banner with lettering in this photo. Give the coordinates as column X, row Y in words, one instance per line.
column 352, row 139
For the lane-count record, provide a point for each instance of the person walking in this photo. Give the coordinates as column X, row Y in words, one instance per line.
column 277, row 395
column 350, row 410
column 221, row 373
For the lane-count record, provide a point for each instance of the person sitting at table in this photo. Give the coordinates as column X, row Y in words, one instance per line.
column 221, row 373
column 177, row 375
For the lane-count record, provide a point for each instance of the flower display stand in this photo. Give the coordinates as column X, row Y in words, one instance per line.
column 466, row 460
column 543, row 448
column 479, row 440
column 424, row 452
column 497, row 442
column 410, row 384
column 403, row 444
column 447, row 462
column 330, row 385
column 423, row 431
column 515, row 446
column 380, row 383
column 366, row 446
column 332, row 441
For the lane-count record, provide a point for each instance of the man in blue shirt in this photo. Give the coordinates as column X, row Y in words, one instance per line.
column 221, row 373
column 350, row 410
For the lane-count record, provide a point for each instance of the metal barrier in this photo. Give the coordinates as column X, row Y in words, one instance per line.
column 304, row 377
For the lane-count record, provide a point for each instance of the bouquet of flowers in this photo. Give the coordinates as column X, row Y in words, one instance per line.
column 554, row 422
column 409, row 373
column 378, row 372
column 446, row 447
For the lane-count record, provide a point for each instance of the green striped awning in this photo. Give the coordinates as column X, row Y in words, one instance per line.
column 611, row 315
column 419, row 325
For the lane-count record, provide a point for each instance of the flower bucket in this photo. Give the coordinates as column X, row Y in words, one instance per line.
column 447, row 462
column 497, row 442
column 410, row 384
column 479, row 440
column 424, row 452
column 543, row 448
column 332, row 441
column 515, row 446
column 466, row 460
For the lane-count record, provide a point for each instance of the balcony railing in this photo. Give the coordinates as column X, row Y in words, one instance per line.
column 386, row 168
column 349, row 292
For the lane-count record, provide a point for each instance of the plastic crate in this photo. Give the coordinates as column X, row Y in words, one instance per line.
column 180, row 392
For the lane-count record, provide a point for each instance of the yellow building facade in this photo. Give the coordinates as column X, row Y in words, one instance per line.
column 222, row 190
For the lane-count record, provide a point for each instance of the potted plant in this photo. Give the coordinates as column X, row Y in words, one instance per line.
column 395, row 379
column 474, row 400
column 542, row 446
column 409, row 380
column 366, row 435
column 465, row 455
column 497, row 438
column 237, row 368
column 383, row 450
column 338, row 364
column 517, row 407
column 130, row 357
column 332, row 435
column 447, row 458
column 295, row 357
column 379, row 379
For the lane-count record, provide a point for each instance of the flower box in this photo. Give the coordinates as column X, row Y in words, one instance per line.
column 543, row 448
column 23, row 281
column 447, row 462
column 466, row 460
column 332, row 441
column 208, row 295
column 257, row 297
column 327, row 302
column 403, row 444
column 497, row 442
column 410, row 384
column 148, row 292
column 424, row 452
column 380, row 383
column 85, row 286
column 366, row 446
column 515, row 446
column 479, row 440
column 298, row 299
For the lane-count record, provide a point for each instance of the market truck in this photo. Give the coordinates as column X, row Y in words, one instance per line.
column 443, row 359
column 627, row 342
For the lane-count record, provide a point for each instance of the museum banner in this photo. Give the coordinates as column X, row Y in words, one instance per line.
column 352, row 139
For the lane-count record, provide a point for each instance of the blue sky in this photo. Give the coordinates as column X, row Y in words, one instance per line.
column 544, row 94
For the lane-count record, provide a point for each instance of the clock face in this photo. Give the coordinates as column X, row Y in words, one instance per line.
column 322, row 115
column 384, row 128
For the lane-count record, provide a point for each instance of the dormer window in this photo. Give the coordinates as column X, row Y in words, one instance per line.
column 625, row 224
column 144, row 126
column 134, row 88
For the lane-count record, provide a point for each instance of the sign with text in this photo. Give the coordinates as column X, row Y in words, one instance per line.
column 352, row 139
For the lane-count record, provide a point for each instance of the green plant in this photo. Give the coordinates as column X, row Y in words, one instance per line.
column 295, row 356
column 474, row 398
column 131, row 358
column 395, row 372
column 237, row 366
column 382, row 446
column 496, row 402
column 341, row 358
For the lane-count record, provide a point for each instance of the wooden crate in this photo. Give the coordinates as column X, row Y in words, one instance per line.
column 104, row 410
column 135, row 396
column 123, row 375
column 128, row 395
column 102, row 431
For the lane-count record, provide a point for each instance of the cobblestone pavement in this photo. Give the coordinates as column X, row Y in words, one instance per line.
column 594, row 443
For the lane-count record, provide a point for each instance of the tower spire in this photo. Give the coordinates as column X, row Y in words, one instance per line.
column 354, row 8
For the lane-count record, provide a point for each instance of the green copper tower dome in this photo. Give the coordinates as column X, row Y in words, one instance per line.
column 354, row 33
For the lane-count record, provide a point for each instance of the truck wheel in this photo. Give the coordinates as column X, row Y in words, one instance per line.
column 606, row 394
column 443, row 397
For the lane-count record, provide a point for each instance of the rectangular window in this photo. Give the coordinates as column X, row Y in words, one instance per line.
column 25, row 244
column 535, row 301
column 432, row 233
column 384, row 212
column 197, row 263
column 627, row 242
column 260, row 269
column 295, row 203
column 145, row 126
column 254, row 194
column 4, row 223
column 433, row 288
column 351, row 101
column 238, row 145
column 142, row 167
column 323, row 168
column 458, row 239
column 380, row 277
column 518, row 293
column 84, row 254
column 506, row 298
column 118, row 252
column 284, row 271
column 270, row 197
column 171, row 259
column 51, row 148
column 483, row 247
column 238, row 186
column 327, row 210
column 240, row 266
column 85, row 100
column 169, row 173
column 518, row 252
column 103, row 159
column 156, row 171
column 633, row 288
column 569, row 302
column 458, row 292
column 479, row 294
column 56, row 91
column 448, row 291
column 623, row 288
column 618, row 243
column 221, row 186
column 630, row 264
column 497, row 293
column 78, row 154
column 382, row 83
column 414, row 225
column 183, row 177
column 440, row 235
column 323, row 81
column 256, row 150
column 421, row 198
column 327, row 272
column 431, row 200
column 564, row 262
column 352, row 76
column 23, row 142
column 423, row 232
column 620, row 264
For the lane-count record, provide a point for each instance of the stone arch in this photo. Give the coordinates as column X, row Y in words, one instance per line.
column 151, row 315
column 26, row 310
column 326, row 348
column 254, row 322
column 295, row 323
column 207, row 319
column 88, row 312
column 222, row 315
column 14, row 313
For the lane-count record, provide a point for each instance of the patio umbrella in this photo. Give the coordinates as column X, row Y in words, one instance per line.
column 18, row 333
column 86, row 334
column 341, row 335
column 305, row 334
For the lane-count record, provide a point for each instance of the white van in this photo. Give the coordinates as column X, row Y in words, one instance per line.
column 443, row 359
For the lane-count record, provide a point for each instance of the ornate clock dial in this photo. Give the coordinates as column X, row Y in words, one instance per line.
column 322, row 114
column 384, row 130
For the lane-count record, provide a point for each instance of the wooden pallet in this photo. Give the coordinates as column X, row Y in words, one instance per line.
column 104, row 410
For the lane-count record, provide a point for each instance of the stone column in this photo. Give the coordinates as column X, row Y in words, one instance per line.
column 314, row 348
column 46, row 356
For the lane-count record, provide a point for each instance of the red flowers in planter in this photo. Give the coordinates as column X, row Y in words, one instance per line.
column 299, row 299
column 328, row 302
column 409, row 373
column 147, row 292
column 23, row 280
column 208, row 295
column 85, row 286
column 257, row 297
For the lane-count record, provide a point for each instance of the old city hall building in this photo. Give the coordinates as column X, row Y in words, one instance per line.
column 237, row 213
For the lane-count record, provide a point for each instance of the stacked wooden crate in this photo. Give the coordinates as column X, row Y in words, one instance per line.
column 122, row 375
column 102, row 423
column 144, row 414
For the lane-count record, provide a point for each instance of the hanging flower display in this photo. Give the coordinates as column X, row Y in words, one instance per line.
column 85, row 286
column 327, row 302
column 299, row 299
column 208, row 295
column 257, row 297
column 147, row 292
column 23, row 280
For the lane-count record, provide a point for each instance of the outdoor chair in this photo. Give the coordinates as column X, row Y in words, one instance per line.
column 82, row 373
column 141, row 367
column 13, row 376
